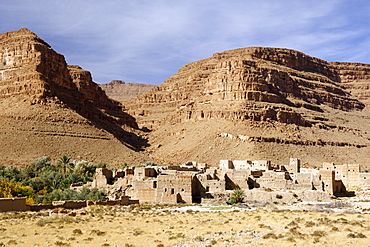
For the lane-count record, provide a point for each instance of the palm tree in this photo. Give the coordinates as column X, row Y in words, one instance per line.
column 237, row 196
column 74, row 178
column 65, row 165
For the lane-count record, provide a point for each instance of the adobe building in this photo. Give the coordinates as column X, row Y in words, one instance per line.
column 195, row 182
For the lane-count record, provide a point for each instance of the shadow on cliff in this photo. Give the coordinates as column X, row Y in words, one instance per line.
column 107, row 115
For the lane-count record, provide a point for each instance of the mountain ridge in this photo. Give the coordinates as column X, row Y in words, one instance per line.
column 51, row 108
column 121, row 91
column 249, row 103
column 285, row 102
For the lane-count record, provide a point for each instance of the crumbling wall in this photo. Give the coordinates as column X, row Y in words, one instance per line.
column 176, row 187
column 226, row 164
column 350, row 174
column 102, row 178
column 328, row 178
column 237, row 179
column 145, row 190
column 275, row 180
column 364, row 181
column 70, row 204
column 294, row 165
column 13, row 204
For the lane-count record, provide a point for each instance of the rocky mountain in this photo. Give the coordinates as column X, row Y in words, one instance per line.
column 251, row 103
column 120, row 90
column 355, row 77
column 51, row 108
column 259, row 103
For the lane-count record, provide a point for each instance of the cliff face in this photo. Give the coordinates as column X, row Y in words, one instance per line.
column 260, row 103
column 121, row 91
column 251, row 103
column 38, row 89
column 24, row 68
column 355, row 77
column 32, row 69
column 251, row 83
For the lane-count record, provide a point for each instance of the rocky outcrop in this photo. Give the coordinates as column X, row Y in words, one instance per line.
column 38, row 89
column 280, row 103
column 286, row 103
column 120, row 90
column 251, row 83
column 27, row 62
column 355, row 77
column 31, row 68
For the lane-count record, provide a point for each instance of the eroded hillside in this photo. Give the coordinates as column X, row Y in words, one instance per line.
column 120, row 90
column 51, row 108
column 251, row 103
column 259, row 103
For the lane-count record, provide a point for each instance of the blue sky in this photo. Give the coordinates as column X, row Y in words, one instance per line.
column 147, row 41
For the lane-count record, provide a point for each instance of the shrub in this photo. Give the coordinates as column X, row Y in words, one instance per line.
column 66, row 219
column 356, row 235
column 38, row 164
column 10, row 189
column 319, row 234
column 310, row 224
column 98, row 233
column 236, row 197
column 84, row 194
column 270, row 235
column 279, row 196
column 199, row 239
column 77, row 232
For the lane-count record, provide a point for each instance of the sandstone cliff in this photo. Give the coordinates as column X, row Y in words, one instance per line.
column 120, row 90
column 355, row 77
column 51, row 108
column 252, row 103
column 273, row 102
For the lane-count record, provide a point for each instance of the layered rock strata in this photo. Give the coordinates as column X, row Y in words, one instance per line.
column 286, row 103
column 43, row 97
column 355, row 77
column 120, row 90
column 252, row 83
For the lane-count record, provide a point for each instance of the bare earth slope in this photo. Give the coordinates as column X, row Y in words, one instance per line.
column 259, row 103
column 250, row 103
column 51, row 108
column 120, row 90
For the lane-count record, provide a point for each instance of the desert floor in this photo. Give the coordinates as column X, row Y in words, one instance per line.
column 154, row 225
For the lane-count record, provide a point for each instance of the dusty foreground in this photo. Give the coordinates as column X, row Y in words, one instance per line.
column 148, row 225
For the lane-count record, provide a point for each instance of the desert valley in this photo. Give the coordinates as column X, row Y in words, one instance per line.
column 287, row 131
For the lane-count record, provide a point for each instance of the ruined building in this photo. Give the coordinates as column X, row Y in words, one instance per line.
column 196, row 182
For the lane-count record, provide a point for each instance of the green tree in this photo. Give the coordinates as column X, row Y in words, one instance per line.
column 38, row 164
column 237, row 196
column 73, row 178
column 48, row 181
column 68, row 194
column 11, row 173
column 65, row 165
column 86, row 170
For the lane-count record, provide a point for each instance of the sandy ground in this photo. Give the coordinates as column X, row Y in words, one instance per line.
column 148, row 225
